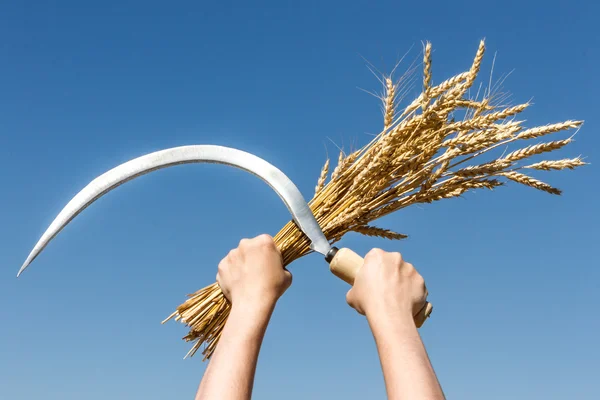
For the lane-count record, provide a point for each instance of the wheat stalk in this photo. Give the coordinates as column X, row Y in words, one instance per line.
column 422, row 155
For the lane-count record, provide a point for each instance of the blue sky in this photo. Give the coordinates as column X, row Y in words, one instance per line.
column 84, row 87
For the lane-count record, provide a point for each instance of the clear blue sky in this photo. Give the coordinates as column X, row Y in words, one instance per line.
column 513, row 274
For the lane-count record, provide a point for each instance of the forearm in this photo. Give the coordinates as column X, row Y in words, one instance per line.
column 406, row 367
column 230, row 373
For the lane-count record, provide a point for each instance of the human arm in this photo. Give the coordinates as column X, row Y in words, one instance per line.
column 252, row 278
column 389, row 291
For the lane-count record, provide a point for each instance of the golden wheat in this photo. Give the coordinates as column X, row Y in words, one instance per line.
column 322, row 177
column 529, row 181
column 389, row 110
column 420, row 156
column 529, row 151
column 369, row 230
column 567, row 163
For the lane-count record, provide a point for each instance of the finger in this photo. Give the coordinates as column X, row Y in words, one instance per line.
column 232, row 255
column 222, row 286
column 221, row 266
column 264, row 239
column 288, row 277
column 350, row 298
column 224, row 291
column 424, row 286
column 374, row 253
column 421, row 310
column 419, row 305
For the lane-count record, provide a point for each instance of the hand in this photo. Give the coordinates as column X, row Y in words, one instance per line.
column 389, row 291
column 253, row 273
column 387, row 284
column 252, row 278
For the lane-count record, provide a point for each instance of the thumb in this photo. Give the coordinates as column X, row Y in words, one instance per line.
column 353, row 301
column 288, row 278
column 350, row 298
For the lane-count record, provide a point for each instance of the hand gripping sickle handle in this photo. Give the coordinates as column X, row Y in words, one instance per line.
column 344, row 263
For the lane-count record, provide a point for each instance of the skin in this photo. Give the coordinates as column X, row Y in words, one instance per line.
column 252, row 278
column 387, row 290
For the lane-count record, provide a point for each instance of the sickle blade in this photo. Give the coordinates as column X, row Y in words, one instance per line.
column 278, row 181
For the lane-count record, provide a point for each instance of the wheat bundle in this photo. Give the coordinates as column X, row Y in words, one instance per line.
column 429, row 151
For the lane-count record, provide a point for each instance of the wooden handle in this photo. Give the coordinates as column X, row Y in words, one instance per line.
column 345, row 265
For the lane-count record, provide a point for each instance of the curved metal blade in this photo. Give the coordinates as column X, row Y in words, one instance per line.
column 278, row 181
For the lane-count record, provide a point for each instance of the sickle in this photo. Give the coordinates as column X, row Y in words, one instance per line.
column 108, row 181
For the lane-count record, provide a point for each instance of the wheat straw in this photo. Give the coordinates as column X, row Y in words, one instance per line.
column 421, row 156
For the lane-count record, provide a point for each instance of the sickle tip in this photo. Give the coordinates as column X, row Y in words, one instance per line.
column 25, row 265
column 22, row 269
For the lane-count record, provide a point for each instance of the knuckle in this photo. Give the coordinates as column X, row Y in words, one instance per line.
column 377, row 251
column 419, row 279
column 264, row 239
column 221, row 267
column 407, row 268
column 375, row 254
column 397, row 257
column 232, row 255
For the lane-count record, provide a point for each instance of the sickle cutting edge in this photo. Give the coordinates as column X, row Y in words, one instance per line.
column 344, row 263
column 110, row 180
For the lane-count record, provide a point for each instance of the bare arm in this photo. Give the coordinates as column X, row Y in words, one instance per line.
column 389, row 291
column 252, row 278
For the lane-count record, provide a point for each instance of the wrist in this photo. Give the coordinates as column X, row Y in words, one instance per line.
column 249, row 321
column 396, row 315
column 391, row 331
column 253, row 307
